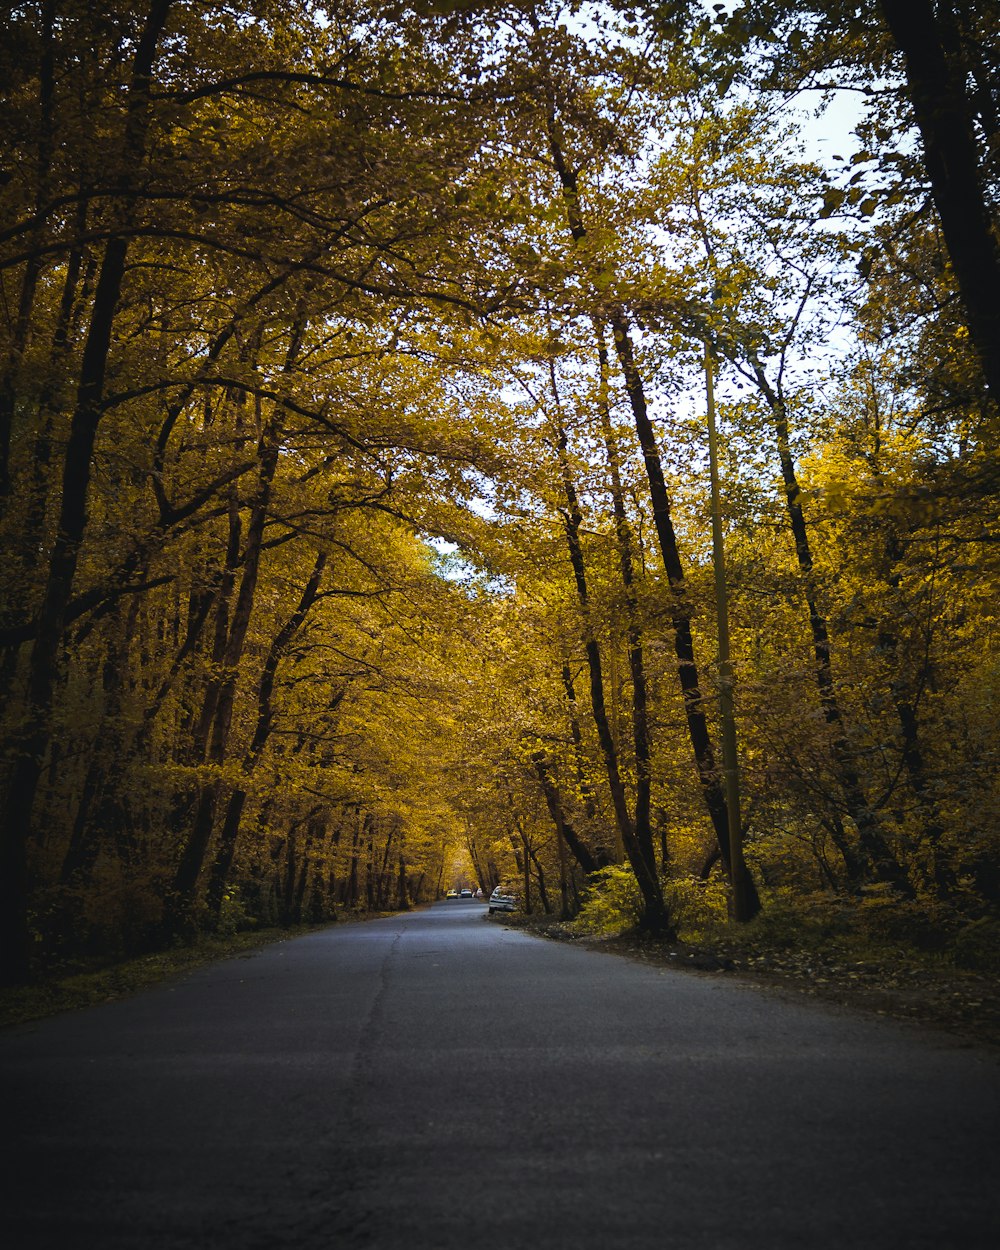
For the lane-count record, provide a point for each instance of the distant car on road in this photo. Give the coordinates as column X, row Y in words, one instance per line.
column 466, row 894
column 502, row 900
column 452, row 894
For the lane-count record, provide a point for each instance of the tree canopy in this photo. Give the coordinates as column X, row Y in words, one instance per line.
column 355, row 478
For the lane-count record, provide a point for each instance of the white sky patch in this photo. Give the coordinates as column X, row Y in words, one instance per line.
column 442, row 546
column 830, row 134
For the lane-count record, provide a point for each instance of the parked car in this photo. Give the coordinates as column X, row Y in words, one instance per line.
column 502, row 899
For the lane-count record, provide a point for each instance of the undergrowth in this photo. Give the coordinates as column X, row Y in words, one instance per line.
column 876, row 923
column 102, row 983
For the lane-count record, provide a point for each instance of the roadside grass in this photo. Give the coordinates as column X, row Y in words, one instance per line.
column 104, row 981
column 86, row 983
column 894, row 959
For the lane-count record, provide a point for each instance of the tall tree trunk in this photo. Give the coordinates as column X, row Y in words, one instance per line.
column 10, row 373
column 639, row 849
column 30, row 539
column 526, row 872
column 15, row 947
column 515, row 837
column 382, row 888
column 291, row 867
column 553, row 802
column 200, row 602
column 226, row 850
column 193, row 857
column 540, row 875
column 583, row 784
column 330, row 885
column 937, row 89
column 370, row 899
column 905, row 689
column 626, row 564
column 351, row 893
column 564, row 911
column 680, row 611
column 877, row 855
column 100, row 811
column 298, row 907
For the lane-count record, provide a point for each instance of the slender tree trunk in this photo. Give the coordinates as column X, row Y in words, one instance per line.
column 680, row 611
column 192, row 860
column 189, row 869
column 876, row 852
column 540, row 875
column 29, row 541
column 100, row 815
column 526, row 861
column 382, row 887
column 226, row 850
column 564, row 912
column 930, row 816
column 640, row 854
column 333, row 864
column 636, row 660
column 553, row 801
column 740, row 910
column 291, row 867
column 316, row 909
column 200, row 603
column 351, row 893
column 855, row 865
column 587, row 794
column 370, row 899
column 10, row 376
column 515, row 836
column 572, row 524
column 905, row 693
column 298, row 908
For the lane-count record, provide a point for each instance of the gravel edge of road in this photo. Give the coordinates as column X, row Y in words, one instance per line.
column 963, row 1004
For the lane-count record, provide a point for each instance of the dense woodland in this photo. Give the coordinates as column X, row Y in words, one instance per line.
column 357, row 518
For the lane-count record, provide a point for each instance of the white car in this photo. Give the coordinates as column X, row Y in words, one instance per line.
column 502, row 900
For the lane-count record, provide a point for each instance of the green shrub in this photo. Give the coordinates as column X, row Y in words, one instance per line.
column 612, row 902
column 789, row 921
column 233, row 915
column 120, row 911
column 977, row 946
column 885, row 917
column 696, row 906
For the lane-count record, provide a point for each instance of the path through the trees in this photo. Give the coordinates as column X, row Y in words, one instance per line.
column 434, row 1080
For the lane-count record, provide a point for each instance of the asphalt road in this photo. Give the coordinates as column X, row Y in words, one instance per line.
column 435, row 1080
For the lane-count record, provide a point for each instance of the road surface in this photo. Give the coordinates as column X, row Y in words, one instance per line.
column 435, row 1080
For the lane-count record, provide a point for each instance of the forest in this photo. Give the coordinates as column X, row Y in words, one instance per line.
column 530, row 439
